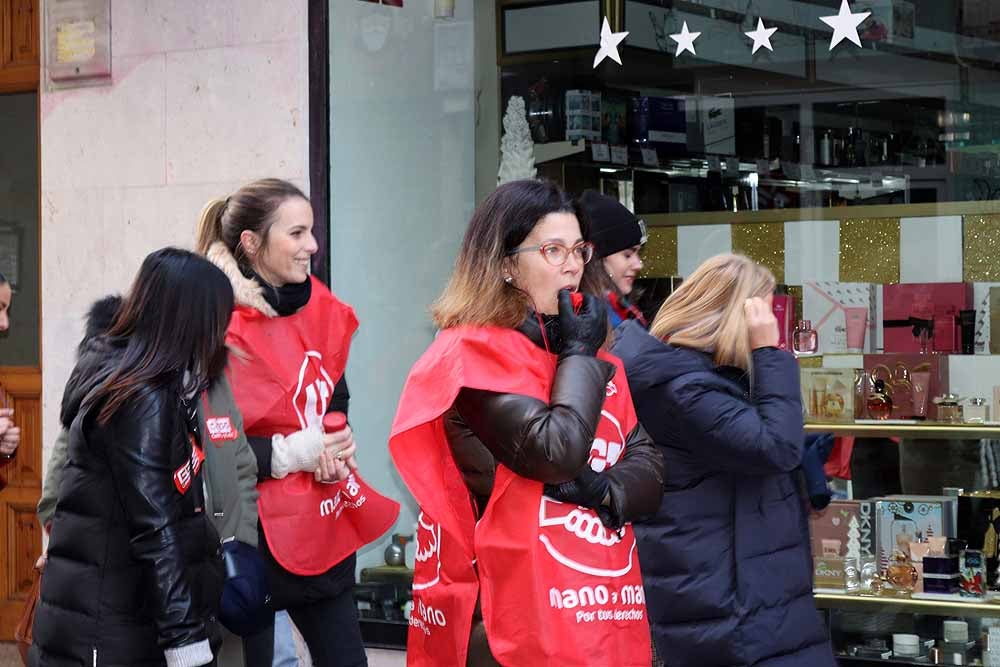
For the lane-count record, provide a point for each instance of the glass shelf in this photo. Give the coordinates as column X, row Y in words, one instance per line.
column 946, row 606
column 922, row 431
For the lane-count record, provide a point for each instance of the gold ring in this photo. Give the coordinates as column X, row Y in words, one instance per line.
column 340, row 455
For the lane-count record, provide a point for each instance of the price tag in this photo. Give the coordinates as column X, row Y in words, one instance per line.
column 714, row 164
column 732, row 166
column 763, row 167
column 619, row 154
column 599, row 152
column 649, row 157
column 877, row 179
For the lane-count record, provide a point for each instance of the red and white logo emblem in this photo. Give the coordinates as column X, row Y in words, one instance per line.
column 184, row 475
column 609, row 444
column 313, row 393
column 220, row 429
column 575, row 537
column 428, row 554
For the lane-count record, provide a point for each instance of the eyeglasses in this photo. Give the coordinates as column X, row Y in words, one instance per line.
column 556, row 254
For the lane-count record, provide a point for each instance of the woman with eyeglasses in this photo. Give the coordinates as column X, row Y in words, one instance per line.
column 517, row 436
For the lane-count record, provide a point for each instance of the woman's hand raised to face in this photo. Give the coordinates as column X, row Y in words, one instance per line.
column 762, row 325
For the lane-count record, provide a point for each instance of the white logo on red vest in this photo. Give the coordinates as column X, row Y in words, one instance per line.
column 187, row 472
column 314, row 390
column 609, row 443
column 611, row 389
column 428, row 552
column 574, row 535
column 220, row 428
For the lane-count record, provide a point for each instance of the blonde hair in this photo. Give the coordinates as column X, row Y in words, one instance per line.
column 707, row 311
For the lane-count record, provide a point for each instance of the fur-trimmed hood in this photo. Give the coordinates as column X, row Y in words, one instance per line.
column 247, row 291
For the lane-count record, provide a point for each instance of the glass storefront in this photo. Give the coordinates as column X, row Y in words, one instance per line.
column 853, row 148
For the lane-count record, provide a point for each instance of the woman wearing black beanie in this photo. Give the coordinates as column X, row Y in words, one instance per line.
column 618, row 236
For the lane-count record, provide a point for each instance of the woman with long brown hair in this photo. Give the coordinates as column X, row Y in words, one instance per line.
column 292, row 338
column 726, row 560
column 516, row 398
column 134, row 573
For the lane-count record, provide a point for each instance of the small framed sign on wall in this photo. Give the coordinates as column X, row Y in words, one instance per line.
column 77, row 42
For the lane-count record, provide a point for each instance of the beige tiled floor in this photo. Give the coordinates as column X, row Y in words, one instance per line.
column 376, row 657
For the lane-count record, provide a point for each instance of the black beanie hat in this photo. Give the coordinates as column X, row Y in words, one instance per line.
column 613, row 227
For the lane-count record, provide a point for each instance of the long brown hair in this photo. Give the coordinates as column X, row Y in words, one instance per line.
column 476, row 294
column 706, row 312
column 174, row 320
column 253, row 207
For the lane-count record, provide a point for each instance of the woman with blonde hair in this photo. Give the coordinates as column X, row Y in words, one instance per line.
column 515, row 399
column 726, row 561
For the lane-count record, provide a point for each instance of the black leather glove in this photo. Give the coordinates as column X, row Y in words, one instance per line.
column 588, row 489
column 584, row 332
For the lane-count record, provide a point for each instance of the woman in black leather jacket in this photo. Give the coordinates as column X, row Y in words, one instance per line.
column 518, row 382
column 134, row 572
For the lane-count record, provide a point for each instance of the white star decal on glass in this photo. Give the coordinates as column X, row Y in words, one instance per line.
column 609, row 44
column 845, row 25
column 685, row 40
column 761, row 36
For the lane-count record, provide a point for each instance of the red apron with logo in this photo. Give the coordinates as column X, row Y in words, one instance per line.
column 283, row 373
column 557, row 587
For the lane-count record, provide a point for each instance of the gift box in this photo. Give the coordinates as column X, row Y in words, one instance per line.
column 911, row 380
column 843, row 529
column 985, row 307
column 828, row 394
column 658, row 121
column 583, row 115
column 941, row 574
column 829, row 573
column 890, row 21
column 979, row 526
column 900, row 520
column 783, row 308
column 843, row 315
column 614, row 115
column 930, row 310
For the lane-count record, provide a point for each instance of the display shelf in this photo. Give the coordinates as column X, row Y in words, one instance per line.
column 914, row 431
column 941, row 606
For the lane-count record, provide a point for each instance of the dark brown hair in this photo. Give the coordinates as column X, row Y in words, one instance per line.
column 476, row 293
column 174, row 320
column 253, row 207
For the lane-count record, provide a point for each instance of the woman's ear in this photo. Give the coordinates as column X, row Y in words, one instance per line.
column 250, row 242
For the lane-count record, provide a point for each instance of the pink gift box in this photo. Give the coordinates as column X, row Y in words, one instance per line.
column 784, row 311
column 933, row 307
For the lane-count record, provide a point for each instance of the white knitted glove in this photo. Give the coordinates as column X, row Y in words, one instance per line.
column 296, row 452
column 189, row 655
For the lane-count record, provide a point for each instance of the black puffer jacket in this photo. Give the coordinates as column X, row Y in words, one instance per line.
column 134, row 573
column 548, row 442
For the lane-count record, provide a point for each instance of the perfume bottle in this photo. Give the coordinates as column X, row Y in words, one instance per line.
column 879, row 404
column 901, row 574
column 804, row 339
column 860, row 391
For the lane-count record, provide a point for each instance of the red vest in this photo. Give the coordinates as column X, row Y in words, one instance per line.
column 284, row 385
column 556, row 586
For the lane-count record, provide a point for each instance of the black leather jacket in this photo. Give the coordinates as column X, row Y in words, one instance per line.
column 550, row 442
column 134, row 570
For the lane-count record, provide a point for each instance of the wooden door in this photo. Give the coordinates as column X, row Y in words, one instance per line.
column 19, row 45
column 20, row 534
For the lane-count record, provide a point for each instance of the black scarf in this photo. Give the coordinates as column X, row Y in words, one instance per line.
column 552, row 337
column 287, row 299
